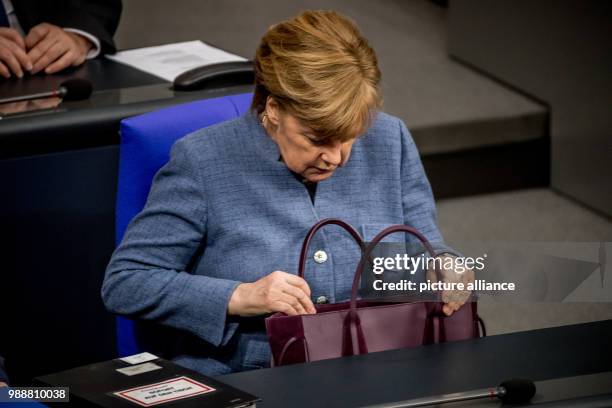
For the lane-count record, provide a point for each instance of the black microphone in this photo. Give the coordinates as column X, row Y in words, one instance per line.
column 515, row 391
column 74, row 89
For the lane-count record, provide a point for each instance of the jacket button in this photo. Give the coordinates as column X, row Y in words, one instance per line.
column 320, row 256
column 321, row 300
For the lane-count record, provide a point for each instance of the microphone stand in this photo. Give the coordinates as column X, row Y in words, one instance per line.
column 60, row 92
column 445, row 398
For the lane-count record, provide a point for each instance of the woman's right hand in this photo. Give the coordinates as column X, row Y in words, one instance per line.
column 276, row 292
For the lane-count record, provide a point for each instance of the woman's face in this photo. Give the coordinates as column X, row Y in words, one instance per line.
column 300, row 150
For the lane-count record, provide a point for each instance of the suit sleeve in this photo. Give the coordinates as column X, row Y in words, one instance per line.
column 3, row 376
column 99, row 18
column 417, row 198
column 147, row 277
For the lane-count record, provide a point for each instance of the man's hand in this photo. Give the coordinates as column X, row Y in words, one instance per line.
column 453, row 299
column 276, row 292
column 53, row 49
column 3, row 384
column 13, row 57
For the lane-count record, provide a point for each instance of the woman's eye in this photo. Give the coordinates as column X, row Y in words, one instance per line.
column 312, row 139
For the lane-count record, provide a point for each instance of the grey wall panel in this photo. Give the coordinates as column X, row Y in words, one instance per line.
column 558, row 51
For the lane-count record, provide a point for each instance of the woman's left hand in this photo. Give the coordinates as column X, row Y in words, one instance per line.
column 453, row 299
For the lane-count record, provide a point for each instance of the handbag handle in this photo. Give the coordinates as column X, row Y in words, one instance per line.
column 354, row 339
column 314, row 229
column 285, row 349
column 366, row 255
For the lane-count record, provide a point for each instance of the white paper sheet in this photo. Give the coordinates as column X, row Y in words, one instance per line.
column 170, row 60
column 139, row 358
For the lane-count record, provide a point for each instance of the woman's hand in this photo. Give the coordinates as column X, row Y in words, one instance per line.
column 453, row 299
column 276, row 292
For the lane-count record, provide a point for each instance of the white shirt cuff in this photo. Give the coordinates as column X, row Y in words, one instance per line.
column 95, row 50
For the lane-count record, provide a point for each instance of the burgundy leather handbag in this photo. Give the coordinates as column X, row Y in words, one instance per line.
column 359, row 326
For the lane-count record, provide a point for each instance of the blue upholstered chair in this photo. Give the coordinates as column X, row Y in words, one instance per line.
column 145, row 147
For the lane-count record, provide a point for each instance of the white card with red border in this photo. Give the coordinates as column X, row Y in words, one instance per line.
column 165, row 391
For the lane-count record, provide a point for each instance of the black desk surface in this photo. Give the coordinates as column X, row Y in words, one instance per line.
column 103, row 73
column 432, row 370
column 119, row 92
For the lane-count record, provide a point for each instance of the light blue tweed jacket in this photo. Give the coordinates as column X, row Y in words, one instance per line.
column 225, row 210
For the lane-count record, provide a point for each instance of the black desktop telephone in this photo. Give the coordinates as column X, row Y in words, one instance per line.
column 215, row 75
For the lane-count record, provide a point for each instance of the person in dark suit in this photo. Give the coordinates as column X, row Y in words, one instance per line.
column 39, row 35
column 3, row 376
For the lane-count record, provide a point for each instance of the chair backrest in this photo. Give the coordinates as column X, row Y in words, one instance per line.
column 145, row 147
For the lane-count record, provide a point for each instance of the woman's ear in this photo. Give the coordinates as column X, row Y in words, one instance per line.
column 272, row 111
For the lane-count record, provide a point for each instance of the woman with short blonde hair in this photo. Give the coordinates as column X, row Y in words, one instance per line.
column 216, row 247
column 319, row 68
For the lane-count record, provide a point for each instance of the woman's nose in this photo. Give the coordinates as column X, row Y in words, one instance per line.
column 332, row 155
